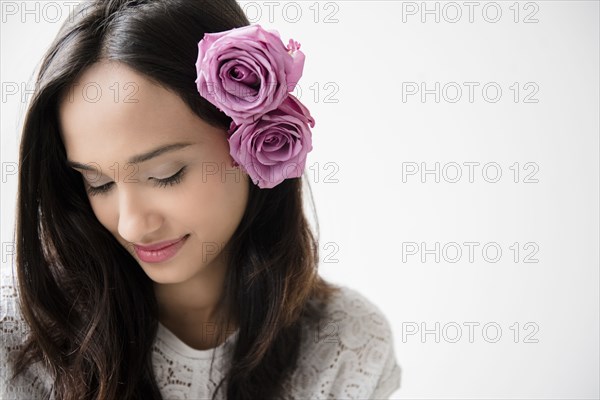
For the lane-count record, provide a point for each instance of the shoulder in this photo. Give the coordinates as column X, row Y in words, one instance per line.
column 34, row 382
column 350, row 353
column 354, row 320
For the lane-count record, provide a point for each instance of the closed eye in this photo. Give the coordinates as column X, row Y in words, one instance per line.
column 170, row 181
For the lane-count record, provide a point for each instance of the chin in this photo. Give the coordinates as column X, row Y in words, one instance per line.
column 176, row 271
column 165, row 277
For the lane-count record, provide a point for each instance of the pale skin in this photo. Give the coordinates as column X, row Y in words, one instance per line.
column 104, row 132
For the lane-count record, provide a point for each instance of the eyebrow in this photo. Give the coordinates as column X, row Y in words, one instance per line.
column 140, row 158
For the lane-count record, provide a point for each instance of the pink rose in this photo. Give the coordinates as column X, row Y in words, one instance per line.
column 247, row 71
column 274, row 147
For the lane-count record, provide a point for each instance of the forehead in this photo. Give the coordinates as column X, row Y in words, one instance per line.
column 110, row 109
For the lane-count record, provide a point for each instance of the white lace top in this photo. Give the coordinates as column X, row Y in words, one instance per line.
column 352, row 357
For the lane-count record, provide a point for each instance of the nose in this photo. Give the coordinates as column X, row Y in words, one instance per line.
column 138, row 217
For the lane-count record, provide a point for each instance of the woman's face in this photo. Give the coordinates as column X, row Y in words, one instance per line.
column 115, row 121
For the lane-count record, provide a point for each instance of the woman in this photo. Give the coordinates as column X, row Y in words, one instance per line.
column 150, row 262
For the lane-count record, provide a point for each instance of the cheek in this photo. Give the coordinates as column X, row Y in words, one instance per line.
column 215, row 207
column 102, row 210
column 106, row 214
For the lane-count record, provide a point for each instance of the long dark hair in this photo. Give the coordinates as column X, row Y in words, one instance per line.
column 79, row 287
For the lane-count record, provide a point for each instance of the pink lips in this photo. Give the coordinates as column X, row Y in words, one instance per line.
column 159, row 252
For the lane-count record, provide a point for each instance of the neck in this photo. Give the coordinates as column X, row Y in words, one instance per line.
column 190, row 309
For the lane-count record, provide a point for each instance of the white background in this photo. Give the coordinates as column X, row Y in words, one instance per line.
column 365, row 55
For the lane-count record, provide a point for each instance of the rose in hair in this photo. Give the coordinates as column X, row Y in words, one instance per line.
column 246, row 72
column 274, row 147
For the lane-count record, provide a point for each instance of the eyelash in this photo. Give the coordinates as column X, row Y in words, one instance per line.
column 170, row 181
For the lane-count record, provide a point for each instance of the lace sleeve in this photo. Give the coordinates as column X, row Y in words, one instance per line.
column 33, row 383
column 351, row 356
column 366, row 333
column 389, row 381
